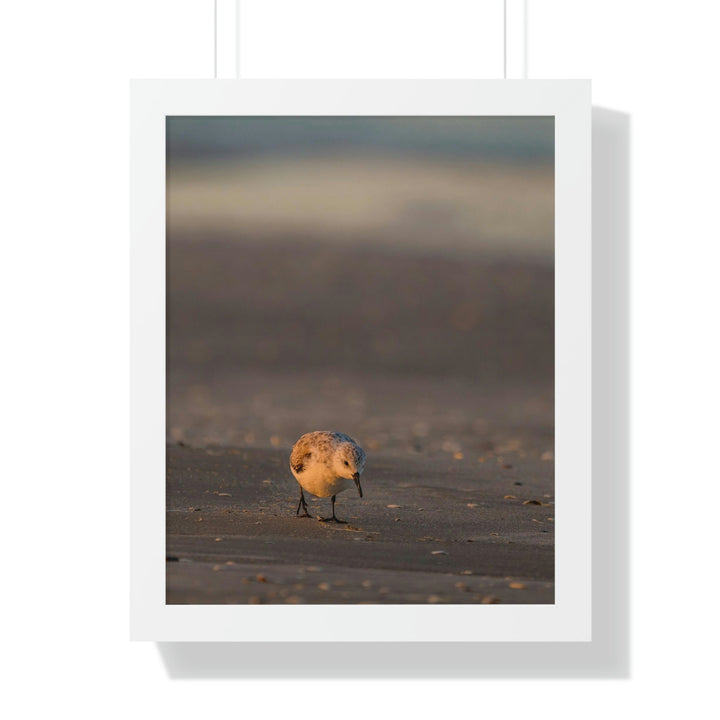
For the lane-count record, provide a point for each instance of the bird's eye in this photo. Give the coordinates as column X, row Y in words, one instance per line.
column 346, row 462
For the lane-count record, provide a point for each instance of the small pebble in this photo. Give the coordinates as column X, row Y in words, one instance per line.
column 261, row 578
column 434, row 599
column 254, row 600
column 517, row 586
column 532, row 502
column 510, row 497
column 439, row 552
column 393, row 506
column 324, row 586
column 490, row 600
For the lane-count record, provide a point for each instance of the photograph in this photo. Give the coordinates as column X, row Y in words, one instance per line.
column 360, row 360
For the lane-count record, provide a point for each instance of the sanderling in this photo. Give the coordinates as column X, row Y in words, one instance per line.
column 325, row 463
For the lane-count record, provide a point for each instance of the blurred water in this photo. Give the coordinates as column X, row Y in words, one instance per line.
column 523, row 140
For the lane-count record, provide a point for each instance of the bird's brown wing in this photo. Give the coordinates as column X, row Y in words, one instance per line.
column 300, row 453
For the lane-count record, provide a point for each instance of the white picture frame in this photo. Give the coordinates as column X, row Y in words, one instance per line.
column 569, row 619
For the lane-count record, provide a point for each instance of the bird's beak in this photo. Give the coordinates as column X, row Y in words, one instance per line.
column 356, row 478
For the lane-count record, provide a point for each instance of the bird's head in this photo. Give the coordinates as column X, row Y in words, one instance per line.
column 349, row 462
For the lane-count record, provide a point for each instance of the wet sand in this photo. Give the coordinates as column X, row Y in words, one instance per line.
column 429, row 529
column 439, row 364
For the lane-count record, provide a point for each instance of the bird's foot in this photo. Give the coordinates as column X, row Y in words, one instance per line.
column 333, row 519
column 305, row 514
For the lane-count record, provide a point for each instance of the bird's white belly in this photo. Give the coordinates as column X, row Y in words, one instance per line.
column 321, row 481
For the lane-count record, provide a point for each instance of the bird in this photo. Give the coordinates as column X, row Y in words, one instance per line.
column 325, row 463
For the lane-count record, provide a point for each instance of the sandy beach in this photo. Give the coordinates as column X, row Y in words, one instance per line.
column 403, row 298
column 434, row 529
column 446, row 384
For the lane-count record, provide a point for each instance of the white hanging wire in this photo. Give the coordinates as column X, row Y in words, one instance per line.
column 525, row 39
column 515, row 39
column 504, row 39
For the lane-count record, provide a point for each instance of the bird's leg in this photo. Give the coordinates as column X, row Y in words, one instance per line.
column 333, row 518
column 302, row 504
column 333, row 509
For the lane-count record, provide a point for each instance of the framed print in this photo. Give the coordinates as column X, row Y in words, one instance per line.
column 360, row 392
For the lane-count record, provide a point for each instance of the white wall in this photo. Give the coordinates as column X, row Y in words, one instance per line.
column 64, row 296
